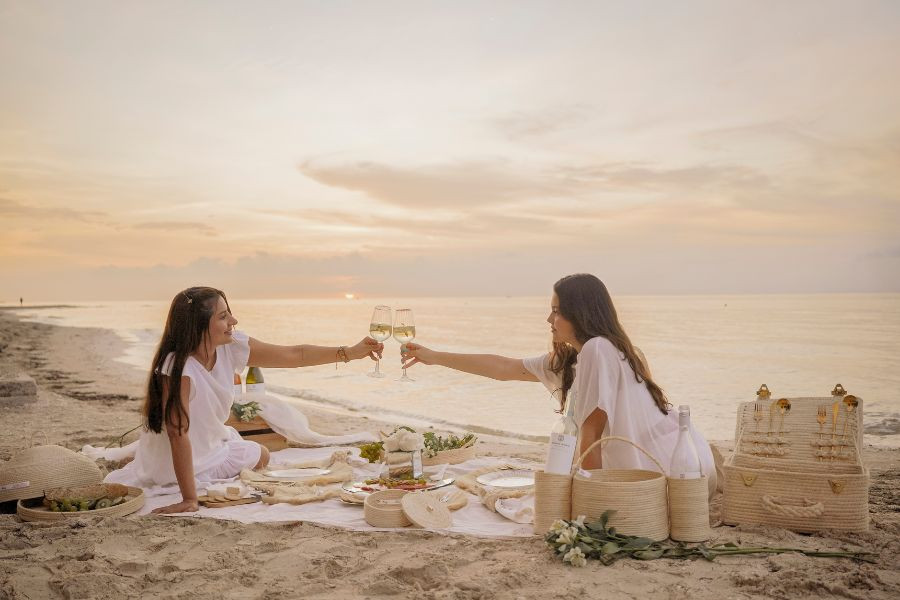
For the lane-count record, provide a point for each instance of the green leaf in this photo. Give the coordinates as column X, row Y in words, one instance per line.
column 638, row 543
column 604, row 518
column 647, row 554
column 610, row 548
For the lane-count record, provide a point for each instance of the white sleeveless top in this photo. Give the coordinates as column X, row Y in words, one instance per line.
column 605, row 380
column 211, row 397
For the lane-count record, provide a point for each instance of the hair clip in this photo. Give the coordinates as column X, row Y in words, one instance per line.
column 189, row 299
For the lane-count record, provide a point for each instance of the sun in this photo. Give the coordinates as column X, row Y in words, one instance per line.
column 349, row 296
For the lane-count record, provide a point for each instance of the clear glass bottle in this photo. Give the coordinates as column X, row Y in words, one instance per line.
column 255, row 382
column 563, row 438
column 685, row 460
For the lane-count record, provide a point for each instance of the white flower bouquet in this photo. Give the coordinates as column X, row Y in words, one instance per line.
column 576, row 541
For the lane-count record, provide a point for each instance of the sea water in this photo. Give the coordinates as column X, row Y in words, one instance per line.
column 710, row 352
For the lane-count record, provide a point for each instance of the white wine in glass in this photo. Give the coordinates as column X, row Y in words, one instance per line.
column 380, row 330
column 404, row 332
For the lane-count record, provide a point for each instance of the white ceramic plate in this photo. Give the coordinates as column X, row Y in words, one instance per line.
column 296, row 473
column 357, row 486
column 507, row 479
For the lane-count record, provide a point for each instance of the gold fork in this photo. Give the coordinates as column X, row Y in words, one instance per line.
column 757, row 417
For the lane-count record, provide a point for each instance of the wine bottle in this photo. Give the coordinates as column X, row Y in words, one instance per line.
column 255, row 382
column 238, row 389
column 685, row 460
column 563, row 438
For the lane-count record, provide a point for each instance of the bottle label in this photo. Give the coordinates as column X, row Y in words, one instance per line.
column 238, row 391
column 561, row 453
column 256, row 388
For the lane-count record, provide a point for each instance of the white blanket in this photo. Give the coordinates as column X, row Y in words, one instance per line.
column 473, row 519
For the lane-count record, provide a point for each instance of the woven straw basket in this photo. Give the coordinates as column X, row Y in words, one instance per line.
column 637, row 496
column 796, row 487
column 450, row 457
column 31, row 471
column 552, row 499
column 689, row 509
column 383, row 509
column 34, row 510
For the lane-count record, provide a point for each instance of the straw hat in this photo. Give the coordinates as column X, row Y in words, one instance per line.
column 31, row 471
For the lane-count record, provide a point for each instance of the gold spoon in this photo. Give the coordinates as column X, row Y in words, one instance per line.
column 850, row 404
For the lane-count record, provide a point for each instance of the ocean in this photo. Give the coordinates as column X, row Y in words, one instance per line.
column 709, row 352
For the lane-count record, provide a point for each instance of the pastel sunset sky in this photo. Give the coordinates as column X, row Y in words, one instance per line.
column 286, row 149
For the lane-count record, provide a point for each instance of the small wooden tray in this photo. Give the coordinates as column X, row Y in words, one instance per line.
column 205, row 501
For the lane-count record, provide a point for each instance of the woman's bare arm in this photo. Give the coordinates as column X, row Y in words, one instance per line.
column 494, row 366
column 182, row 455
column 263, row 354
column 591, row 431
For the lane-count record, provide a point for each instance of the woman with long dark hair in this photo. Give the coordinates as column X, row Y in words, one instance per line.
column 190, row 393
column 592, row 355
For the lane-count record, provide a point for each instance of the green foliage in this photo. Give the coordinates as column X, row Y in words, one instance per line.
column 435, row 443
column 576, row 541
column 371, row 452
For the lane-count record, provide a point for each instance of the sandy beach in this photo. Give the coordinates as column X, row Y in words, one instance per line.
column 85, row 397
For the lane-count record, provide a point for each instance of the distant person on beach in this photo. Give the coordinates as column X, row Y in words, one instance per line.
column 20, row 301
column 190, row 393
column 592, row 354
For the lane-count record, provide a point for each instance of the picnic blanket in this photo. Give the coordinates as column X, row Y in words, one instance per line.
column 472, row 519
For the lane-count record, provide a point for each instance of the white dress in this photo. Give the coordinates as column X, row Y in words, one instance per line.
column 605, row 380
column 218, row 451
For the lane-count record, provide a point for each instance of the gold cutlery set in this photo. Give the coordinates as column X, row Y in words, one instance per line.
column 832, row 447
column 771, row 442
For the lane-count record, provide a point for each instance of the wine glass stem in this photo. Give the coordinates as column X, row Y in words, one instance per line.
column 377, row 365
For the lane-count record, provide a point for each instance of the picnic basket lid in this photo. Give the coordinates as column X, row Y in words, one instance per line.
column 426, row 511
column 31, row 471
column 34, row 510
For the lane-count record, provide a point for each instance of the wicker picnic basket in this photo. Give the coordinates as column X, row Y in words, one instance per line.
column 450, row 457
column 797, row 464
column 552, row 499
column 383, row 509
column 638, row 496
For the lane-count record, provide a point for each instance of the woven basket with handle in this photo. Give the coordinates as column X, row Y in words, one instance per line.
column 807, row 474
column 638, row 496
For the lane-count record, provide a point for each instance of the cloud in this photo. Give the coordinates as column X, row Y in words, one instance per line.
column 527, row 124
column 448, row 186
column 167, row 226
column 11, row 208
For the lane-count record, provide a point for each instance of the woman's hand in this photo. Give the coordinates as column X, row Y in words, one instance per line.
column 416, row 353
column 182, row 507
column 366, row 347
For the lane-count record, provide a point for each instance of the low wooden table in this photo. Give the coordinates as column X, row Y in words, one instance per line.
column 257, row 430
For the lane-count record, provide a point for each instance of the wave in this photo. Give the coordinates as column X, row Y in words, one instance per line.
column 887, row 424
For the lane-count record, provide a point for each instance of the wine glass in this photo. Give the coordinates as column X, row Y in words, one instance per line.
column 404, row 331
column 380, row 330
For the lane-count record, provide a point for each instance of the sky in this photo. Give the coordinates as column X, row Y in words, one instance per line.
column 315, row 149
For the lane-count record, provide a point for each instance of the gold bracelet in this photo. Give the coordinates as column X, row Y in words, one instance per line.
column 342, row 354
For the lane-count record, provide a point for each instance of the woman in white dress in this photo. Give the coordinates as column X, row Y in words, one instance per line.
column 592, row 354
column 190, row 393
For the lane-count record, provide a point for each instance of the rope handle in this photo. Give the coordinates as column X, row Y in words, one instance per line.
column 34, row 433
column 621, row 439
column 806, row 510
